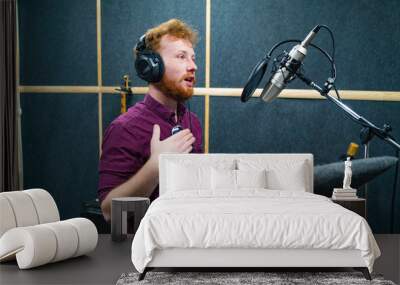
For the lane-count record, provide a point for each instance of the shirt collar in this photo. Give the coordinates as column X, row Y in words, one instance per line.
column 162, row 110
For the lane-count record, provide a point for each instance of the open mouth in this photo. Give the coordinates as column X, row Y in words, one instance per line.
column 190, row 80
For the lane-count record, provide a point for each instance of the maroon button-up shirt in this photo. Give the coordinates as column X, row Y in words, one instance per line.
column 126, row 142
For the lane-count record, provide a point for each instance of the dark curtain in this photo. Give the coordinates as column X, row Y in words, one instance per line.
column 9, row 178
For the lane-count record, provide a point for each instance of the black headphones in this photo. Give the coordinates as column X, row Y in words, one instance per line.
column 148, row 64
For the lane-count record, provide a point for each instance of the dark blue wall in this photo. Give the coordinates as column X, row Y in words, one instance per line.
column 57, row 42
column 365, row 33
column 60, row 147
column 58, row 47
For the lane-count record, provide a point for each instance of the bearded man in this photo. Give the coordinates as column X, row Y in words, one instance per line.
column 132, row 143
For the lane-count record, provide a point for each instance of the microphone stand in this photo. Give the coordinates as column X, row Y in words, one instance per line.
column 366, row 155
column 368, row 131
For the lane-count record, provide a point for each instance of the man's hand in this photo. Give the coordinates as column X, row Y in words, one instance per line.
column 180, row 142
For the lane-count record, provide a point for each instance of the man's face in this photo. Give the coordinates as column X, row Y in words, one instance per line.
column 180, row 68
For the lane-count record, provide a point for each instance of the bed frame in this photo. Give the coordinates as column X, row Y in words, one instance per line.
column 243, row 259
column 246, row 258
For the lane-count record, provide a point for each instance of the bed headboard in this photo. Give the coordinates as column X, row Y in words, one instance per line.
column 302, row 163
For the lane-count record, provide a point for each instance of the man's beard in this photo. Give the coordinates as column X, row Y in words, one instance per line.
column 174, row 89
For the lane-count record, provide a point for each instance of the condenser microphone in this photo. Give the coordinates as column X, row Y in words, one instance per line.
column 287, row 68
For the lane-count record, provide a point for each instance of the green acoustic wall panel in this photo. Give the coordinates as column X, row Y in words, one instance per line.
column 305, row 126
column 58, row 42
column 123, row 22
column 60, row 147
column 366, row 34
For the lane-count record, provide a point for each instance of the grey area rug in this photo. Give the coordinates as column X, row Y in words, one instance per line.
column 228, row 278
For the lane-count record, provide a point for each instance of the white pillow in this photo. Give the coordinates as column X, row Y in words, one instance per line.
column 281, row 174
column 293, row 177
column 225, row 179
column 183, row 178
column 251, row 178
column 184, row 175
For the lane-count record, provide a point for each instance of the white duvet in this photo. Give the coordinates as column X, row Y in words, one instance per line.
column 252, row 218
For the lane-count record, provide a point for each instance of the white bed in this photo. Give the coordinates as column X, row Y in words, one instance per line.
column 247, row 210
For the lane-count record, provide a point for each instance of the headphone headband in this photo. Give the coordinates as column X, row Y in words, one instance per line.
column 141, row 45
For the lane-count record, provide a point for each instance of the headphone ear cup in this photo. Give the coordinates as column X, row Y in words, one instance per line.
column 149, row 66
column 158, row 71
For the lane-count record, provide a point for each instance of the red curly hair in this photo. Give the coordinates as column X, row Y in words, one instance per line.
column 173, row 27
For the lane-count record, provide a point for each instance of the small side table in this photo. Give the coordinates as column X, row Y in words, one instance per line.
column 357, row 205
column 120, row 207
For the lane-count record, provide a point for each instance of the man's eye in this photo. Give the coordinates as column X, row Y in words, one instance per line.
column 181, row 56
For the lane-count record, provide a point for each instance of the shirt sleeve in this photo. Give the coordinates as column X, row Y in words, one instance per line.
column 120, row 159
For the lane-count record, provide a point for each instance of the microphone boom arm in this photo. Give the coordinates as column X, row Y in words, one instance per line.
column 367, row 133
column 381, row 133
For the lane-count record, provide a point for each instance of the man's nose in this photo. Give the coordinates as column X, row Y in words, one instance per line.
column 192, row 65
